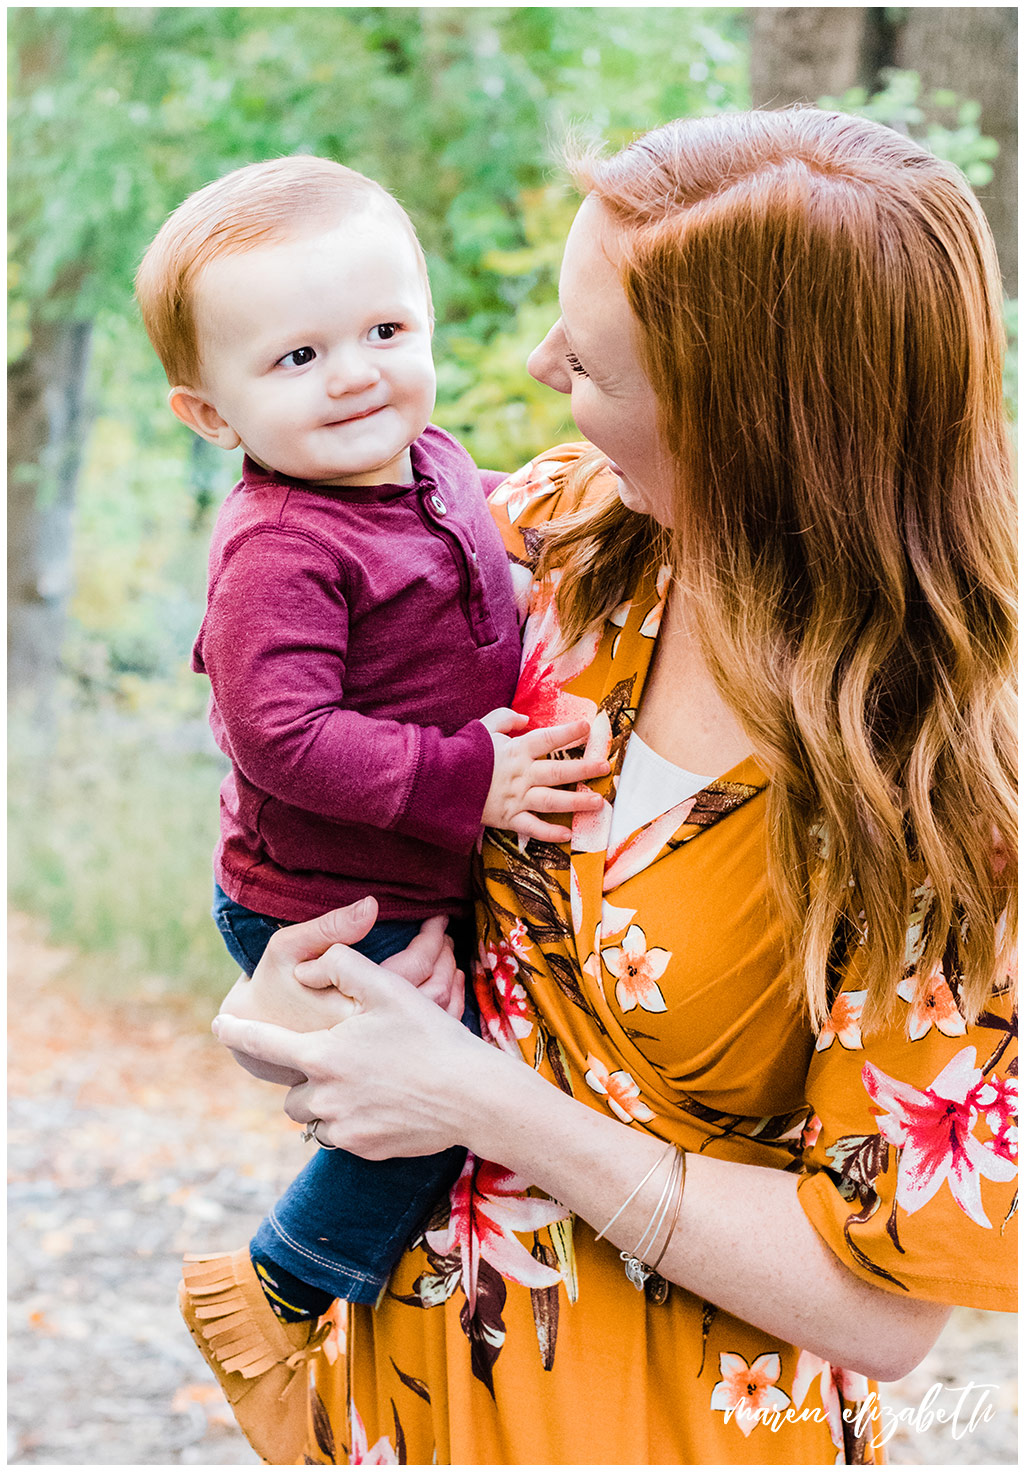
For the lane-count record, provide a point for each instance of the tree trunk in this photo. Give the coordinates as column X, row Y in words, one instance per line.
column 803, row 53
column 46, row 431
column 974, row 53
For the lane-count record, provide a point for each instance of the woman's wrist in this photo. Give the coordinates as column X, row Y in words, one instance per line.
column 516, row 1118
column 491, row 1093
column 728, row 1221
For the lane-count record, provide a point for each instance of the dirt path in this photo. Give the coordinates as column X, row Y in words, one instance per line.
column 134, row 1138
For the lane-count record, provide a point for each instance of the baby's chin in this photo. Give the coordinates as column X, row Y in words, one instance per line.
column 321, row 474
column 316, row 474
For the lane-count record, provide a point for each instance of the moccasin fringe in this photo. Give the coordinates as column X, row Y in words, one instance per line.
column 255, row 1356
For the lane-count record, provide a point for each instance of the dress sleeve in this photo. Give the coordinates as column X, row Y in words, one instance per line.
column 912, row 1147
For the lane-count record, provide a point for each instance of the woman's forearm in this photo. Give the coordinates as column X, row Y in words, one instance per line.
column 741, row 1241
column 401, row 1077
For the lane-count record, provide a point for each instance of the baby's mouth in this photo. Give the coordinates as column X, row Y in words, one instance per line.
column 354, row 418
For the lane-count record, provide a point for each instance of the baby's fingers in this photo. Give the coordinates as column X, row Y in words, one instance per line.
column 503, row 721
column 553, row 738
column 580, row 769
column 531, row 826
column 557, row 800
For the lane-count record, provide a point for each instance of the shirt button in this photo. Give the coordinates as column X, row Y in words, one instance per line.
column 438, row 505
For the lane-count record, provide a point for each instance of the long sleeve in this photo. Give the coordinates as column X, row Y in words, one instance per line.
column 275, row 645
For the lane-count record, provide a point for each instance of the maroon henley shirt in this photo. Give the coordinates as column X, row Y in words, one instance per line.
column 353, row 638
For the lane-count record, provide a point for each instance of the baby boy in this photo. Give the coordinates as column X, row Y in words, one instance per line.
column 360, row 625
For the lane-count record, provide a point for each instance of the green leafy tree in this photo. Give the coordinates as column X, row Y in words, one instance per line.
column 118, row 113
column 115, row 115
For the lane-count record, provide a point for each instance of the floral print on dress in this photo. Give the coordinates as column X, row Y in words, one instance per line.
column 638, row 970
column 917, row 933
column 547, row 668
column 620, row 1090
column 472, row 1245
column 361, row 1454
column 932, row 1004
column 998, row 1098
column 517, row 491
column 843, row 1022
column 614, row 919
column 838, row 1390
column 618, row 618
column 546, row 915
column 934, row 1130
column 488, row 1206
column 748, row 1394
column 506, row 1015
column 652, row 619
column 640, row 849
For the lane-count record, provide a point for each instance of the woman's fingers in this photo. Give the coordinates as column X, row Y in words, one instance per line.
column 266, row 1041
column 310, row 938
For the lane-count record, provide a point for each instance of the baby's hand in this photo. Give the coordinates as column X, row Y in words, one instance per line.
column 524, row 783
column 428, row 961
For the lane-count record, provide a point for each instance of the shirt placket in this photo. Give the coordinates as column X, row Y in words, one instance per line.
column 439, row 517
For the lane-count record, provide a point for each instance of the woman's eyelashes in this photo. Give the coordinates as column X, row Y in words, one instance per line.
column 576, row 366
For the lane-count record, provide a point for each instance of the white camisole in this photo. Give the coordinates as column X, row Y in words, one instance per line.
column 649, row 785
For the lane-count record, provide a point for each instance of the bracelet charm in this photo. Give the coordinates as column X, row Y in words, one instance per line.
column 636, row 1271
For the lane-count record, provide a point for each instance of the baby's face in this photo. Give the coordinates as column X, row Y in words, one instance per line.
column 316, row 351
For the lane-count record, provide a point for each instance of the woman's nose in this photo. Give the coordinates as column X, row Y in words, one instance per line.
column 547, row 361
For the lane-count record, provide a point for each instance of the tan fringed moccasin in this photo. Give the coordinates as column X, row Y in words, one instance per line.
column 260, row 1361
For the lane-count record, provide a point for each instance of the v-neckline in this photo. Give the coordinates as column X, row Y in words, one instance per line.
column 638, row 623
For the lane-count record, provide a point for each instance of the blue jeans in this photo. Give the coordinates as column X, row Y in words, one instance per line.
column 344, row 1222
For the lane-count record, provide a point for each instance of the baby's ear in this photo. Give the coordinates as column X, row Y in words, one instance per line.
column 199, row 414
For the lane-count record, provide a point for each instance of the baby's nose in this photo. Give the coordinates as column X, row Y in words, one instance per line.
column 350, row 373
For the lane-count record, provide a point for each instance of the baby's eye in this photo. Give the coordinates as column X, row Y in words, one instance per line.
column 297, row 359
column 384, row 331
column 576, row 366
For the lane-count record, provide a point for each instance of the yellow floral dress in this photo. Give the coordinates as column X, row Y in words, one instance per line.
column 650, row 981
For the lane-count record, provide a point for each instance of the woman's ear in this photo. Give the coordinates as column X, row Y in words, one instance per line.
column 199, row 414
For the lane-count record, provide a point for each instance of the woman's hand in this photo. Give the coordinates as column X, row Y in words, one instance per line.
column 276, row 994
column 400, row 1077
column 396, row 1078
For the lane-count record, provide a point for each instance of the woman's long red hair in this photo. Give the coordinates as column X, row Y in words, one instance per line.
column 819, row 307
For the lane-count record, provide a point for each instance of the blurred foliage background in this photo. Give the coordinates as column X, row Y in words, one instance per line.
column 116, row 113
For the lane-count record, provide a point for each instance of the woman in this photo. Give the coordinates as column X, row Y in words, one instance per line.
column 781, row 334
